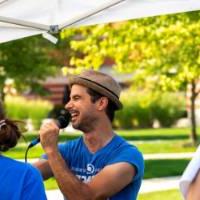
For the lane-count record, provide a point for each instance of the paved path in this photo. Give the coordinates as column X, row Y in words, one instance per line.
column 157, row 184
column 168, row 156
column 148, row 185
column 54, row 195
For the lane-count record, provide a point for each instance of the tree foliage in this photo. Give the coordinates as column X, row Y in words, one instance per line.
column 163, row 52
column 161, row 46
column 27, row 61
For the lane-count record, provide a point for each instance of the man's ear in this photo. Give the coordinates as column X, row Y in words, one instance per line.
column 102, row 103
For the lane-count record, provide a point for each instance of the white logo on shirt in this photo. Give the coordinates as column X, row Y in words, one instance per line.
column 90, row 169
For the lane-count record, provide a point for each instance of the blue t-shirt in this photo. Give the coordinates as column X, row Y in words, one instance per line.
column 20, row 181
column 86, row 165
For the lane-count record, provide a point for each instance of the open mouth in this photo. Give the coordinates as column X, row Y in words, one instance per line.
column 74, row 115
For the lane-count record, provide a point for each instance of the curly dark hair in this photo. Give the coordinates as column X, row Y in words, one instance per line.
column 9, row 132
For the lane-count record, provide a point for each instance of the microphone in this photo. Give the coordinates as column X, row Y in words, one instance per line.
column 61, row 122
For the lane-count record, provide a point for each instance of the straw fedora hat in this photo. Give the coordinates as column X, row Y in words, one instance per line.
column 99, row 82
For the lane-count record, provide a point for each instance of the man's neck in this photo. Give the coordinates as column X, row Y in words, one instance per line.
column 97, row 139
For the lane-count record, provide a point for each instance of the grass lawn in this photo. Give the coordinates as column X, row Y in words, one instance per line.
column 164, row 167
column 156, row 134
column 161, row 195
column 19, row 152
column 163, row 146
column 50, row 184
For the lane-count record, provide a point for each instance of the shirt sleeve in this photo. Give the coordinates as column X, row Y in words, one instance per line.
column 132, row 156
column 33, row 186
column 63, row 148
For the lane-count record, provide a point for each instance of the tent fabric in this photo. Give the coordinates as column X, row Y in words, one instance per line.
column 23, row 18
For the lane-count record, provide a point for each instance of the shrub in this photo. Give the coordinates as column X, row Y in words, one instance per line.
column 22, row 109
column 168, row 108
column 136, row 111
column 141, row 109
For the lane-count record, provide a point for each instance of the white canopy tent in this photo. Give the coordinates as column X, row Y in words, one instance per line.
column 23, row 18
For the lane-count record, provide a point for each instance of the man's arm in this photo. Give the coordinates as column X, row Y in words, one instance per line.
column 194, row 189
column 112, row 179
column 106, row 183
column 45, row 169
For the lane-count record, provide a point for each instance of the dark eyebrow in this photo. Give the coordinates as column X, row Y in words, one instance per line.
column 74, row 96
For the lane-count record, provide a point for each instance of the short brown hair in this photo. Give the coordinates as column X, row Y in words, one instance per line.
column 111, row 108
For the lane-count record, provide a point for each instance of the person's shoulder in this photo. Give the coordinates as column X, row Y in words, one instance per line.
column 33, row 171
column 126, row 152
column 30, row 173
column 125, row 144
column 30, row 169
column 128, row 149
column 19, row 166
column 15, row 163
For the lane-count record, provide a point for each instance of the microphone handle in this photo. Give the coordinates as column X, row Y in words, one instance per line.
column 34, row 142
column 37, row 140
column 62, row 122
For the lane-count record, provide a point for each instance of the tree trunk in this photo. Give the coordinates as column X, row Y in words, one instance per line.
column 2, row 96
column 192, row 110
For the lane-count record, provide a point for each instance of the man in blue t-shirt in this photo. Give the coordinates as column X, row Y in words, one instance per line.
column 99, row 165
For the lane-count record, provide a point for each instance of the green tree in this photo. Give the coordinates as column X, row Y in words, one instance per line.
column 27, row 61
column 163, row 52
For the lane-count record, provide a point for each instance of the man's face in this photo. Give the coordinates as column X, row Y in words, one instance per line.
column 83, row 111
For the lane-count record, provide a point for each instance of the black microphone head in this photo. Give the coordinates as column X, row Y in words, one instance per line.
column 64, row 120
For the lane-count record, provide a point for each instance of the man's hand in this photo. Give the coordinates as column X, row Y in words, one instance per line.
column 49, row 136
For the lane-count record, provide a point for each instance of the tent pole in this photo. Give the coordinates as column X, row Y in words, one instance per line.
column 90, row 13
column 24, row 23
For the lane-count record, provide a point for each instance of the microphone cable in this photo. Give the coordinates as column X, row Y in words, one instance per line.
column 26, row 153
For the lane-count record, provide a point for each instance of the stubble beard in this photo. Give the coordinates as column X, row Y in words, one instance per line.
column 86, row 125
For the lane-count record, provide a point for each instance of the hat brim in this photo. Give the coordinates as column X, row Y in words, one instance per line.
column 96, row 87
